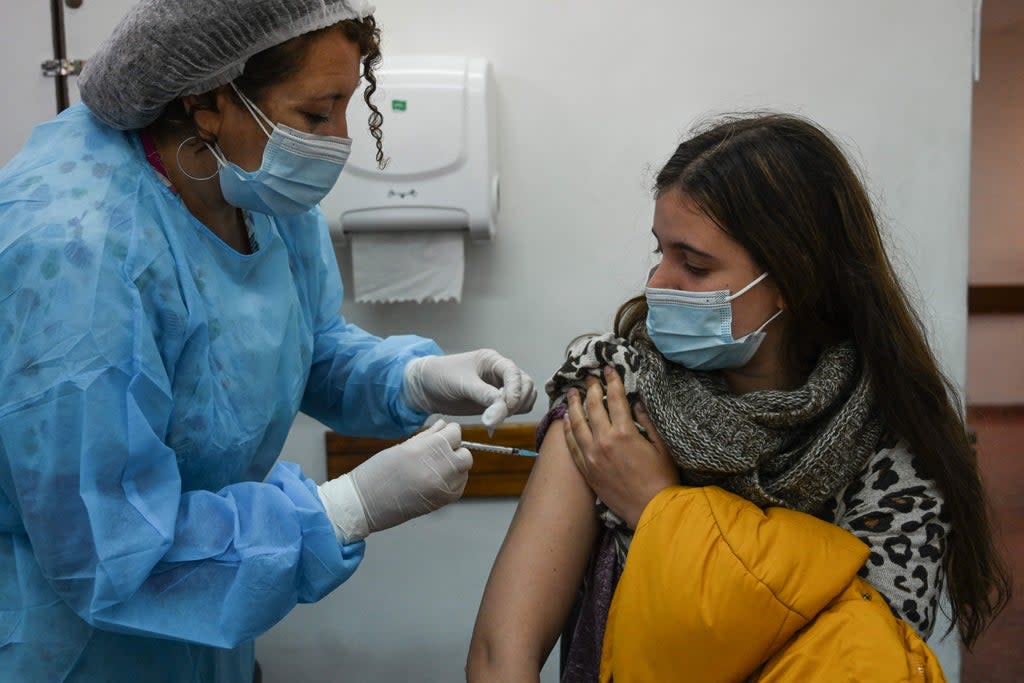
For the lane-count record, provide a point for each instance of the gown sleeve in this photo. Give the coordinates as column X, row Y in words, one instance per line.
column 355, row 382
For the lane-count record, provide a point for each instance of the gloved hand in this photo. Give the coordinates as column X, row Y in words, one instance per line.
column 415, row 477
column 468, row 384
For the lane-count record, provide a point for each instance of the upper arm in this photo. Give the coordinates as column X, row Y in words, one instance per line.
column 538, row 569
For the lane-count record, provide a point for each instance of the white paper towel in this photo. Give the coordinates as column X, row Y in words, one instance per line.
column 407, row 266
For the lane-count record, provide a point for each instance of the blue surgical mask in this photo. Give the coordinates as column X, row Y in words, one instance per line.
column 694, row 329
column 297, row 171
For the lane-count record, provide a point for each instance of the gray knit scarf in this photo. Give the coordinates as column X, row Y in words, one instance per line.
column 794, row 449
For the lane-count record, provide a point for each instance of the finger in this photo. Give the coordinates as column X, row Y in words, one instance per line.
column 511, row 383
column 492, row 366
column 644, row 418
column 521, row 400
column 578, row 422
column 529, row 396
column 461, row 485
column 596, row 412
column 462, row 459
column 434, row 428
column 573, row 446
column 618, row 406
column 452, row 434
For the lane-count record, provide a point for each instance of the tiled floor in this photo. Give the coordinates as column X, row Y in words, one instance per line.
column 998, row 656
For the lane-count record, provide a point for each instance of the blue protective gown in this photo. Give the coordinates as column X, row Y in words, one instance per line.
column 149, row 375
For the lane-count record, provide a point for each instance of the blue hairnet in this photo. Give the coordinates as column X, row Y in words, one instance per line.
column 166, row 49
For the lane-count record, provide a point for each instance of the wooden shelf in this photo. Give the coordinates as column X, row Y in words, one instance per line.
column 995, row 299
column 492, row 475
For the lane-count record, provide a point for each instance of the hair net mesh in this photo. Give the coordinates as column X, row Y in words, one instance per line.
column 164, row 49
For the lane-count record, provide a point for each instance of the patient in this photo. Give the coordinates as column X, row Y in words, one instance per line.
column 769, row 441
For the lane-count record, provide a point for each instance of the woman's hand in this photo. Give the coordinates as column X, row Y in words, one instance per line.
column 623, row 468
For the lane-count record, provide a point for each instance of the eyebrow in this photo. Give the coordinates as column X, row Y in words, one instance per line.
column 679, row 244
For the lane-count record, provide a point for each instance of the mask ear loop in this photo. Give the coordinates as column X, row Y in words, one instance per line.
column 747, row 288
column 177, row 159
column 766, row 322
column 763, row 325
column 255, row 112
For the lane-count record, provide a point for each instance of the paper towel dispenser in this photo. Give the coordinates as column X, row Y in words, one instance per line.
column 440, row 135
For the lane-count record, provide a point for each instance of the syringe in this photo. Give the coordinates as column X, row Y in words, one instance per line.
column 503, row 450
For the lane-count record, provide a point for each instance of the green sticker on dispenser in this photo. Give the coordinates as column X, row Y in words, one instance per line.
column 398, row 105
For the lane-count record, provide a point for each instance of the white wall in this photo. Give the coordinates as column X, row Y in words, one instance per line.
column 25, row 43
column 86, row 27
column 593, row 97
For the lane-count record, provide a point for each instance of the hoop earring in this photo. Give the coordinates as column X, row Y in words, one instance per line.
column 177, row 159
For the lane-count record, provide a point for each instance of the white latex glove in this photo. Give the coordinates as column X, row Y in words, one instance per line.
column 415, row 477
column 468, row 384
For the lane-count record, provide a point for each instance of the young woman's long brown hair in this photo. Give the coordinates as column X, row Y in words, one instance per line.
column 782, row 188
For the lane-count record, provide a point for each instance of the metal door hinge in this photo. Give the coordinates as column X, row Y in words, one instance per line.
column 62, row 67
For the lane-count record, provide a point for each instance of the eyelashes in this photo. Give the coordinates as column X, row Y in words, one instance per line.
column 694, row 270
column 316, row 118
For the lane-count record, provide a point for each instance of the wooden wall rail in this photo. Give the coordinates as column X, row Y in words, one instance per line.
column 492, row 475
column 995, row 299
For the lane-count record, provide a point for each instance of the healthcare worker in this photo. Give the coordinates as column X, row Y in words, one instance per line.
column 169, row 300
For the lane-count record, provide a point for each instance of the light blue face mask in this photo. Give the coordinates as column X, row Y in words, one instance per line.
column 297, row 171
column 694, row 329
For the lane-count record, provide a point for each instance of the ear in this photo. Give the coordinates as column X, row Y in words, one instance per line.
column 780, row 303
column 207, row 113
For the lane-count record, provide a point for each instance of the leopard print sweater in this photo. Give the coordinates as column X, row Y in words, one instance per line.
column 899, row 513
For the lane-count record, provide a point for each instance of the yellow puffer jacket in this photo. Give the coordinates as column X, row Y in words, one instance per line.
column 717, row 589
